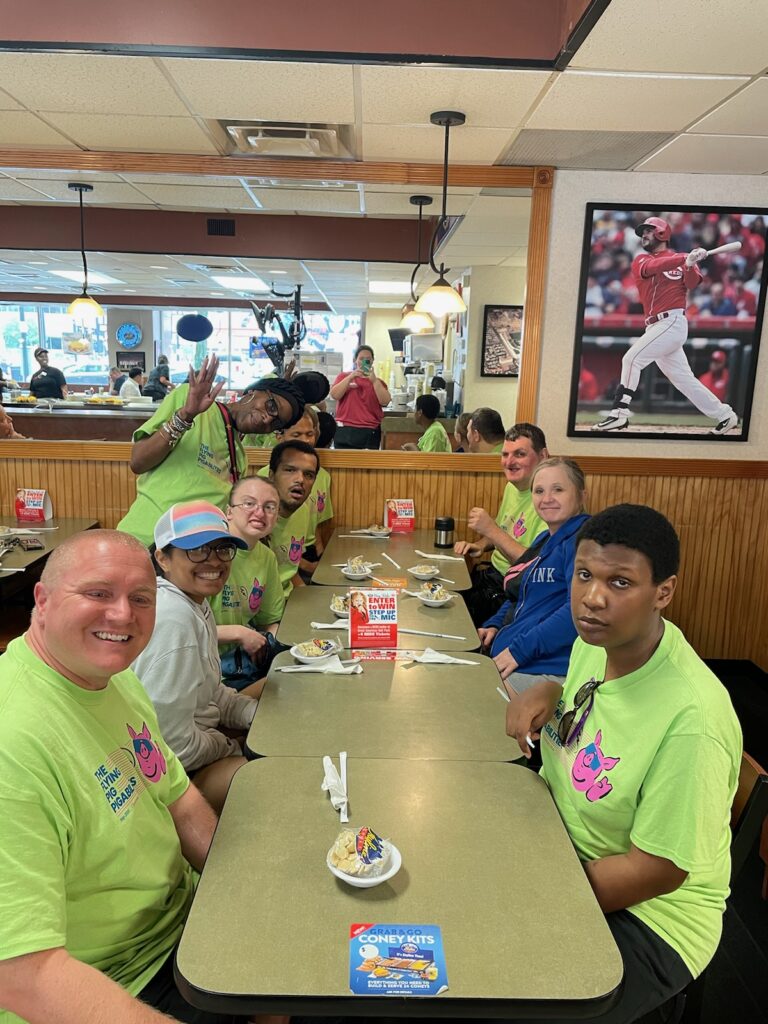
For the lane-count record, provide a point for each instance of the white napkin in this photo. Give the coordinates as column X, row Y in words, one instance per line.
column 335, row 788
column 440, row 558
column 329, row 666
column 432, row 657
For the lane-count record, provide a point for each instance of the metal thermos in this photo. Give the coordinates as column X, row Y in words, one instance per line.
column 444, row 526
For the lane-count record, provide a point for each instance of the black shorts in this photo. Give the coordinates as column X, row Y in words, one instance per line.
column 162, row 994
column 357, row 437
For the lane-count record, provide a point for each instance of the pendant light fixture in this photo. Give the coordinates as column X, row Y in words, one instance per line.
column 441, row 298
column 417, row 323
column 83, row 307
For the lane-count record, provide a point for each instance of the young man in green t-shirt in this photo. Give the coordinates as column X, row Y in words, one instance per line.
column 516, row 524
column 249, row 607
column 434, row 438
column 641, row 750
column 293, row 467
column 485, row 432
column 101, row 831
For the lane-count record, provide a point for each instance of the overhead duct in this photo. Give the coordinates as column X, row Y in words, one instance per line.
column 316, row 141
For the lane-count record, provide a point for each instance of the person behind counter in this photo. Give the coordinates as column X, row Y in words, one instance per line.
column 360, row 396
column 434, row 438
column 131, row 388
column 117, row 378
column 191, row 447
column 641, row 751
column 48, row 381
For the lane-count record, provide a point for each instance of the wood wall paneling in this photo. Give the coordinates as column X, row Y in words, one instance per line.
column 720, row 510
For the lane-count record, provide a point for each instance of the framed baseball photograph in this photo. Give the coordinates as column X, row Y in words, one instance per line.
column 502, row 341
column 670, row 313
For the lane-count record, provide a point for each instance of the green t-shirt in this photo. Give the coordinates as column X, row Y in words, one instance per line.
column 657, row 765
column 253, row 594
column 319, row 501
column 288, row 541
column 434, row 439
column 260, row 440
column 517, row 517
column 197, row 468
column 89, row 855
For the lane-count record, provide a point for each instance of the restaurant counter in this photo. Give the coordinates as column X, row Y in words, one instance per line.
column 95, row 424
column 397, row 430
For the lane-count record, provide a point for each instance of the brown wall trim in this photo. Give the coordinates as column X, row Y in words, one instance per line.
column 117, row 451
column 536, row 272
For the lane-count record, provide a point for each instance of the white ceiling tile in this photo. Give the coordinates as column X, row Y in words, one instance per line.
column 13, row 190
column 639, row 103
column 180, row 179
column 711, row 154
column 8, row 102
column 425, row 143
column 687, row 35
column 745, row 114
column 88, row 83
column 428, row 190
column 39, row 177
column 104, row 193
column 134, row 134
column 18, row 128
column 408, row 95
column 278, row 200
column 265, row 90
column 198, row 197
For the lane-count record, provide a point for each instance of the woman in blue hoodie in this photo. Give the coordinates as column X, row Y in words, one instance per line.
column 532, row 639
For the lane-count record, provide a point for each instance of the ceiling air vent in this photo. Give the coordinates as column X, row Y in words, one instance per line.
column 221, row 226
column 262, row 138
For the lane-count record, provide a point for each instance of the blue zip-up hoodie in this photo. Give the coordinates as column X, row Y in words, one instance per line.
column 541, row 635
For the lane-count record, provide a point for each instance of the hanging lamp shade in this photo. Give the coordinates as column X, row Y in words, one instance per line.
column 415, row 323
column 440, row 299
column 83, row 307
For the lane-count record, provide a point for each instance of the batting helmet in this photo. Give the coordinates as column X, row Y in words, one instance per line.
column 662, row 232
column 718, row 356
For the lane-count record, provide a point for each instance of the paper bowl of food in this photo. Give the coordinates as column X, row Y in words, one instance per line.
column 311, row 652
column 434, row 595
column 424, row 571
column 363, row 859
column 377, row 530
column 356, row 569
column 340, row 606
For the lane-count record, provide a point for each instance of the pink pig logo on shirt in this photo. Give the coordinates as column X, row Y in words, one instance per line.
column 150, row 757
column 255, row 596
column 294, row 551
column 321, row 501
column 589, row 764
column 519, row 528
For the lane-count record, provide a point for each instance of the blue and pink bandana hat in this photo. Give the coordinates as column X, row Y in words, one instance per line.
column 190, row 524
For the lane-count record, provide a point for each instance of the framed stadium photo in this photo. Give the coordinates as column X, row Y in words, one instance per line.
column 670, row 313
column 502, row 341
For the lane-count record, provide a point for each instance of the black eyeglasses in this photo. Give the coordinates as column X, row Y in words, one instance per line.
column 583, row 694
column 271, row 406
column 270, row 507
column 224, row 552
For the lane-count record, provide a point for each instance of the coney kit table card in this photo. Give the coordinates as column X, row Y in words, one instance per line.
column 396, row 960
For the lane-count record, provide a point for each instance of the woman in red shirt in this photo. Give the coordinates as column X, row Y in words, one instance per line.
column 360, row 396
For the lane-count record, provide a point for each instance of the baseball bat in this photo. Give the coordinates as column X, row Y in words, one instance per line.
column 728, row 247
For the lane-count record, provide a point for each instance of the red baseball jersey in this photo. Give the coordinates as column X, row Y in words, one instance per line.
column 663, row 281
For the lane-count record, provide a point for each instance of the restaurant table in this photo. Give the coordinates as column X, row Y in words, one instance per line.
column 17, row 583
column 312, row 604
column 485, row 857
column 393, row 709
column 400, row 546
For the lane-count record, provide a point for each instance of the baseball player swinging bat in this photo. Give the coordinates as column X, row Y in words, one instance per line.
column 663, row 279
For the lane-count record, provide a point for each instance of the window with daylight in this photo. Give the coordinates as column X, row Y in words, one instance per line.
column 78, row 350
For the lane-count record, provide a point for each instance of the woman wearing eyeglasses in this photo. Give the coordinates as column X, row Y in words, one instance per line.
column 192, row 447
column 249, row 607
column 530, row 638
column 180, row 667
